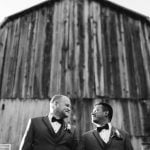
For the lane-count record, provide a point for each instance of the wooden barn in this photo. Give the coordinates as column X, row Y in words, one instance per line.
column 89, row 50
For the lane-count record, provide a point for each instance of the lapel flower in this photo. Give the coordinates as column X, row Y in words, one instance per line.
column 68, row 127
column 117, row 135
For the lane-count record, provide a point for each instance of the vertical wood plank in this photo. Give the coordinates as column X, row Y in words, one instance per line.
column 105, row 49
column 68, row 46
column 81, row 50
column 18, row 89
column 27, row 43
column 145, row 49
column 76, row 81
column 93, row 78
column 4, row 90
column 100, row 61
column 47, row 51
column 139, row 64
column 14, row 57
column 3, row 42
column 86, row 48
column 94, row 44
column 39, row 53
column 116, row 87
column 65, row 49
column 123, row 58
column 55, row 77
column 33, row 54
column 129, row 56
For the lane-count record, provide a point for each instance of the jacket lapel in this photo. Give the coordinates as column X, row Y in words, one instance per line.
column 61, row 133
column 48, row 125
column 113, row 130
column 56, row 136
column 97, row 136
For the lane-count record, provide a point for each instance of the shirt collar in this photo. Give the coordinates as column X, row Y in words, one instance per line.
column 110, row 126
column 50, row 117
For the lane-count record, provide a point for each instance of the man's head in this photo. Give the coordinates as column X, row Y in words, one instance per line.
column 102, row 113
column 60, row 106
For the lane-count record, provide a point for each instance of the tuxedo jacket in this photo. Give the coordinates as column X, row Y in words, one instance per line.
column 119, row 140
column 40, row 135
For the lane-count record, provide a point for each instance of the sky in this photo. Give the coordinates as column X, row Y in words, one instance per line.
column 10, row 7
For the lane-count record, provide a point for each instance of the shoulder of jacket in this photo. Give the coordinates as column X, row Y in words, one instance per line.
column 73, row 128
column 88, row 133
column 36, row 119
column 124, row 133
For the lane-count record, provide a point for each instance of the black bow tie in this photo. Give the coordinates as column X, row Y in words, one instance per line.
column 99, row 129
column 57, row 120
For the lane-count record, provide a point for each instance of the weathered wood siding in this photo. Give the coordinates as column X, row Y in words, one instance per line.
column 128, row 115
column 14, row 116
column 79, row 48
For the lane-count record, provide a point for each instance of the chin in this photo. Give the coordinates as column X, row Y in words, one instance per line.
column 94, row 121
column 66, row 115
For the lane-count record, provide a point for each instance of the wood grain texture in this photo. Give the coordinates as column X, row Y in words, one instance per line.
column 78, row 48
column 86, row 49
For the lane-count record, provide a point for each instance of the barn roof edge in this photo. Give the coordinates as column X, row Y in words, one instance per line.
column 106, row 3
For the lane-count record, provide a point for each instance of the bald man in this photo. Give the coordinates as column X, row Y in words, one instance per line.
column 51, row 132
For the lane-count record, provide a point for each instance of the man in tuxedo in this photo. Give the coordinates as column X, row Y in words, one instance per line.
column 105, row 136
column 51, row 132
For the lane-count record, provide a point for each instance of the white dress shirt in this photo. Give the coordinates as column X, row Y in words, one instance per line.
column 55, row 125
column 105, row 133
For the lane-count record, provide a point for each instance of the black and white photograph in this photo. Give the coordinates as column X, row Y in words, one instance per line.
column 75, row 75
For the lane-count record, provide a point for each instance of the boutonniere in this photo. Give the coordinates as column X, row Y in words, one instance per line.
column 68, row 128
column 117, row 135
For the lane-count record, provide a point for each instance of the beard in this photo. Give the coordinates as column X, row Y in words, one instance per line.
column 64, row 114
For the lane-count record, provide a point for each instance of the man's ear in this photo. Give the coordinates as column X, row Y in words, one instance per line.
column 106, row 113
column 56, row 103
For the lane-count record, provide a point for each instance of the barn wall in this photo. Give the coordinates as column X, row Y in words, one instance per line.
column 14, row 116
column 128, row 115
column 79, row 48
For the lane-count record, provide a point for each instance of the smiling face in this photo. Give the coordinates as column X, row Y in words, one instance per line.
column 99, row 116
column 62, row 107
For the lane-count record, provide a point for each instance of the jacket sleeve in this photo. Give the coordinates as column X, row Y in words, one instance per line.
column 27, row 140
column 128, row 145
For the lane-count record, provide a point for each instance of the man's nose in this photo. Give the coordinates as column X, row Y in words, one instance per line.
column 69, row 109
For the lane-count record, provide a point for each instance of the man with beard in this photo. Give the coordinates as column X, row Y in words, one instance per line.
column 51, row 132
